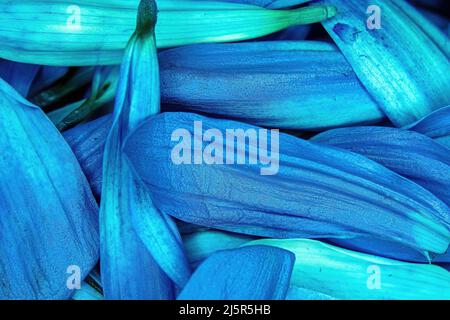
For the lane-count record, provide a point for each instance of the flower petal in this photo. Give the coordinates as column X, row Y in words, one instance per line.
column 346, row 274
column 399, row 64
column 250, row 273
column 48, row 219
column 95, row 32
column 131, row 259
column 298, row 85
column 318, row 192
column 407, row 153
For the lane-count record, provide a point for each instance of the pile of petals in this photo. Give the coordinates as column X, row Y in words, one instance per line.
column 225, row 149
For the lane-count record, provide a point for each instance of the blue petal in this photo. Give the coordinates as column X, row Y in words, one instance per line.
column 88, row 143
column 250, row 273
column 136, row 239
column 318, row 192
column 408, row 153
column 19, row 75
column 202, row 244
column 48, row 215
column 436, row 125
column 292, row 84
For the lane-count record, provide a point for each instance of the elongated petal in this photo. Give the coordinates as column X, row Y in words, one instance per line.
column 131, row 259
column 300, row 85
column 250, row 273
column 200, row 245
column 345, row 274
column 273, row 4
column 19, row 75
column 436, row 125
column 48, row 216
column 399, row 64
column 90, row 32
column 408, row 153
column 314, row 191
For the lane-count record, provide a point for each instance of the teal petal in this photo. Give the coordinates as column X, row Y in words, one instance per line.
column 401, row 66
column 318, row 191
column 92, row 32
column 345, row 274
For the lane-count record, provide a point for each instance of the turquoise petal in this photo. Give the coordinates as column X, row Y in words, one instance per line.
column 345, row 274
column 403, row 69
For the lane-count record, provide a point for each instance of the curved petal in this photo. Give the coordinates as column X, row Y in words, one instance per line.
column 318, row 191
column 136, row 239
column 250, row 273
column 283, row 84
column 48, row 215
column 410, row 154
column 399, row 64
column 345, row 274
column 95, row 32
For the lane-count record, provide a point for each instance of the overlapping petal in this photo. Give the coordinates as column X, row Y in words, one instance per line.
column 345, row 274
column 318, row 192
column 292, row 84
column 139, row 245
column 48, row 215
column 413, row 155
column 403, row 69
column 92, row 32
column 250, row 273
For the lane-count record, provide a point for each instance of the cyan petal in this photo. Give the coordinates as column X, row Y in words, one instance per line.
column 87, row 292
column 293, row 84
column 250, row 273
column 92, row 32
column 403, row 69
column 202, row 244
column 48, row 215
column 345, row 274
column 318, row 191
column 139, row 245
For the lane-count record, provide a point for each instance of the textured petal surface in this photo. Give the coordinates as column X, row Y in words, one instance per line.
column 413, row 155
column 292, row 84
column 345, row 274
column 403, row 69
column 250, row 273
column 93, row 32
column 139, row 245
column 48, row 219
column 319, row 191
